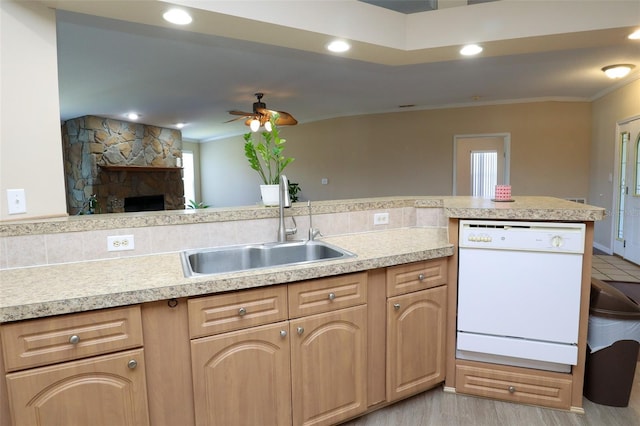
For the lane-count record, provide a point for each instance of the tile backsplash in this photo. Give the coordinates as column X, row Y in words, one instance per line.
column 54, row 248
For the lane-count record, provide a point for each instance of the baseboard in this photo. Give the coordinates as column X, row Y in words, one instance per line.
column 605, row 249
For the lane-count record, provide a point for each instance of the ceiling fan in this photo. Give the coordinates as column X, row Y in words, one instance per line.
column 261, row 116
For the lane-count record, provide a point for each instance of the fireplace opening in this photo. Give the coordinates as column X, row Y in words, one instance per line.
column 145, row 203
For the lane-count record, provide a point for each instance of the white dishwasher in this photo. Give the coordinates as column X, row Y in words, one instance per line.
column 519, row 286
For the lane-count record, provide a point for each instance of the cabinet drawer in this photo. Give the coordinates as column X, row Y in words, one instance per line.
column 50, row 340
column 514, row 384
column 416, row 276
column 327, row 294
column 233, row 311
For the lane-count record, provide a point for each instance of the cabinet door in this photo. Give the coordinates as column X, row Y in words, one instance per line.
column 243, row 377
column 329, row 366
column 415, row 342
column 101, row 391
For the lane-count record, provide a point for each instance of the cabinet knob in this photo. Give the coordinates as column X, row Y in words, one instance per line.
column 396, row 306
column 74, row 340
column 132, row 364
column 421, row 277
column 332, row 296
column 242, row 311
column 300, row 330
column 512, row 389
column 283, row 333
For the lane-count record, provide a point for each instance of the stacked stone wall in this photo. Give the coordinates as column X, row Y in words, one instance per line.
column 91, row 144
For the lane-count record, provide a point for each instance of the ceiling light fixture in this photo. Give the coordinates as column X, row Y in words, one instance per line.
column 180, row 125
column 470, row 50
column 255, row 125
column 618, row 70
column 338, row 46
column 133, row 116
column 635, row 35
column 177, row 16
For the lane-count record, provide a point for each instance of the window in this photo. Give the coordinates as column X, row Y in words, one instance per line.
column 622, row 182
column 484, row 173
column 188, row 177
column 637, row 190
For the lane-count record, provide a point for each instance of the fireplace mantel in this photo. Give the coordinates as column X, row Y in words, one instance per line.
column 138, row 168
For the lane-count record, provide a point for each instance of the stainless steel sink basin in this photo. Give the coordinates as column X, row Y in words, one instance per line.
column 242, row 258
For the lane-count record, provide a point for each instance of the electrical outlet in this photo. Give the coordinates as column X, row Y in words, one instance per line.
column 16, row 201
column 120, row 243
column 381, row 218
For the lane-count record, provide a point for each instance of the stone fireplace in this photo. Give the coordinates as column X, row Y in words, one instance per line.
column 116, row 160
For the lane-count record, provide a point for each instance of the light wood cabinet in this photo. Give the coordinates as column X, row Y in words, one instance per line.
column 329, row 366
column 92, row 388
column 514, row 384
column 243, row 377
column 309, row 370
column 102, row 391
column 416, row 328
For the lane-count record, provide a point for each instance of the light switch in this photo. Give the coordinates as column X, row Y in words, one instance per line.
column 16, row 201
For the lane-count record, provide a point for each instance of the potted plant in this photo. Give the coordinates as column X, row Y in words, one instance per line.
column 266, row 157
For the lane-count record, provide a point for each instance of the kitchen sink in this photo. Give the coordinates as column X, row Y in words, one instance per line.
column 255, row 256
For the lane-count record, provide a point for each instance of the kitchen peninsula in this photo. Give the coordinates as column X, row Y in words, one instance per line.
column 419, row 241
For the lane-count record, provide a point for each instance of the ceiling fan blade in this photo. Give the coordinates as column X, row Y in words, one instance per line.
column 236, row 112
column 236, row 119
column 285, row 119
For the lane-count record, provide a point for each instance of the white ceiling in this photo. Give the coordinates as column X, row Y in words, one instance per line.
column 116, row 57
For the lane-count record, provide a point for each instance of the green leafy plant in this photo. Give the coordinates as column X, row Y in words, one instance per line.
column 294, row 188
column 266, row 156
column 193, row 205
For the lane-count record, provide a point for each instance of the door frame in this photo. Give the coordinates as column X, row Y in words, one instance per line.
column 616, row 176
column 506, row 138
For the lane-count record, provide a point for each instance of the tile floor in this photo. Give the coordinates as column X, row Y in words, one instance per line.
column 614, row 268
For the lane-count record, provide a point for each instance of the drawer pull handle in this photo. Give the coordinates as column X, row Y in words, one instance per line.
column 74, row 340
column 300, row 330
column 332, row 296
column 132, row 364
column 512, row 389
column 283, row 333
column 421, row 277
column 242, row 311
column 396, row 306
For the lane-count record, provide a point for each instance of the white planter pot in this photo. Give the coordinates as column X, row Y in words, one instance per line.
column 270, row 195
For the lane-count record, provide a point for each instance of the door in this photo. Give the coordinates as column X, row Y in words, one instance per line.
column 415, row 342
column 102, row 391
column 480, row 163
column 243, row 377
column 627, row 193
column 329, row 366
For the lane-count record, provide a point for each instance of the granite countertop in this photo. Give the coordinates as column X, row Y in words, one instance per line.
column 83, row 286
column 521, row 208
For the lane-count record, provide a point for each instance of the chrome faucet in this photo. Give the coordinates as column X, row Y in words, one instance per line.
column 284, row 202
column 313, row 232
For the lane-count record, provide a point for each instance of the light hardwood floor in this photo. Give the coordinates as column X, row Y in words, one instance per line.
column 437, row 408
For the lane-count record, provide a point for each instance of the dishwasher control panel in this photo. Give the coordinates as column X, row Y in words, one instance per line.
column 513, row 235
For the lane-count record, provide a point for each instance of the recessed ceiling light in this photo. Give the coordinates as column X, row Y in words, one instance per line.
column 133, row 116
column 180, row 125
column 618, row 70
column 177, row 16
column 470, row 49
column 338, row 46
column 635, row 35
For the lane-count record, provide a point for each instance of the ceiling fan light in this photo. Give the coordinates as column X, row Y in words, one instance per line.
column 254, row 125
column 618, row 70
column 177, row 16
column 267, row 126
